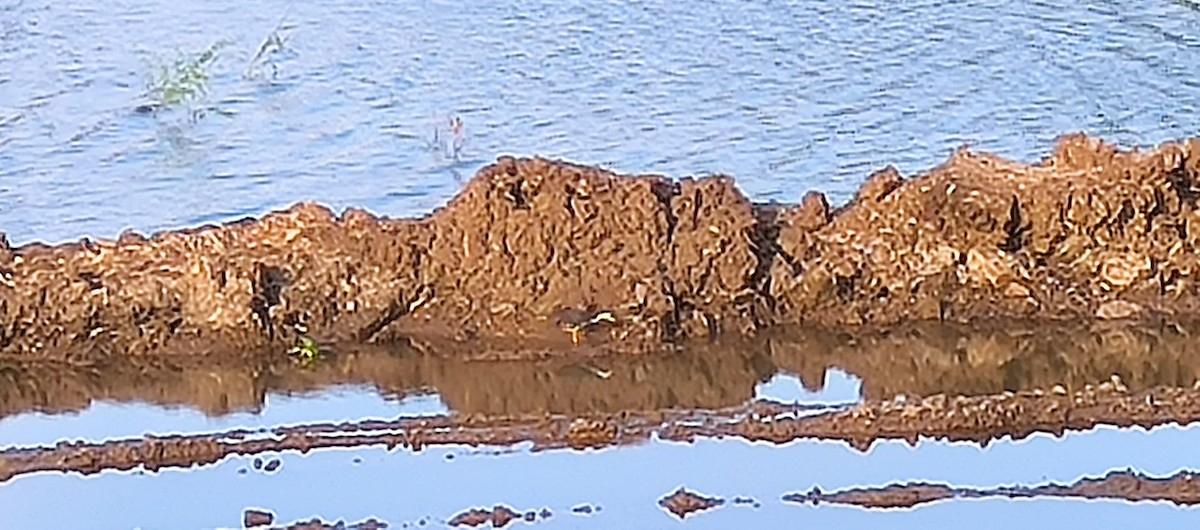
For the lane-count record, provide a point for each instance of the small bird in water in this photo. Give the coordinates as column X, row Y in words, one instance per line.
column 577, row 322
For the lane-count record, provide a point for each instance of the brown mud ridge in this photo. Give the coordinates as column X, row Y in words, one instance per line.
column 1182, row 488
column 979, row 419
column 911, row 360
column 530, row 246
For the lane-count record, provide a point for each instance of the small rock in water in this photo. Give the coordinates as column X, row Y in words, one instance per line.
column 253, row 518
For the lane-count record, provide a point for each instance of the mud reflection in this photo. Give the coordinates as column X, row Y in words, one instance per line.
column 913, row 361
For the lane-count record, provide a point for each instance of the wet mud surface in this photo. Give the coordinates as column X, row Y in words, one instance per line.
column 978, row 419
column 1182, row 488
column 683, row 503
column 534, row 251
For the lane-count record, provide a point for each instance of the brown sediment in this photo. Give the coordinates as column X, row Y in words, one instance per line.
column 979, row 419
column 1090, row 232
column 912, row 360
column 499, row 516
column 683, row 503
column 1182, row 488
column 318, row 524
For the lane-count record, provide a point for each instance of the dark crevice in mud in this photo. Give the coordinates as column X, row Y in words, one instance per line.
column 764, row 241
column 1183, row 183
column 979, row 419
column 268, row 293
column 1015, row 229
column 1089, row 233
column 666, row 191
column 1182, row 488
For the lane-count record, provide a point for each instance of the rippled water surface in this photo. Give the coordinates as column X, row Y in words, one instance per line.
column 786, row 96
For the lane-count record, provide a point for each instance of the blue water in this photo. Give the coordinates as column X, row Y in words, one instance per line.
column 437, row 483
column 786, row 96
column 105, row 420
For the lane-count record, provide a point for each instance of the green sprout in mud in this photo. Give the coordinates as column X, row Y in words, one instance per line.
column 306, row 350
column 186, row 77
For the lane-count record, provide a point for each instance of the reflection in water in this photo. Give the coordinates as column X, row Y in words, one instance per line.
column 356, row 382
column 105, row 420
column 440, row 481
column 839, row 388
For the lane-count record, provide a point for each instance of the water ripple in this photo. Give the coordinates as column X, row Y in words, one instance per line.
column 785, row 95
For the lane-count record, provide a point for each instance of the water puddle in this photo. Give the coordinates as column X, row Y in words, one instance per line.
column 438, row 483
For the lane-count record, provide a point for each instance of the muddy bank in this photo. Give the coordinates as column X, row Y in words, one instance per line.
column 978, row 419
column 1182, row 488
column 911, row 360
column 531, row 247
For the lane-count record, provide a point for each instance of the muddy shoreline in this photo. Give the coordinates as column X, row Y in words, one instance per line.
column 979, row 419
column 531, row 247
